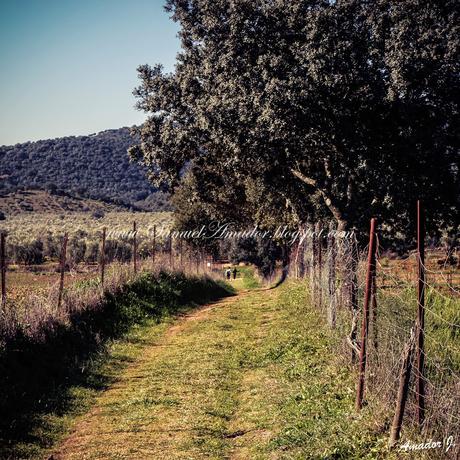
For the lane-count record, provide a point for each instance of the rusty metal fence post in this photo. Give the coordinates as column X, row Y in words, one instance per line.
column 420, row 363
column 365, row 318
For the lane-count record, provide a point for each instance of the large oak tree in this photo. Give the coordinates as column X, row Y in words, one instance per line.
column 353, row 102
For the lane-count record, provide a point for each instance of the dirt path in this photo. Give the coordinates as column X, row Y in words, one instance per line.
column 195, row 393
column 254, row 377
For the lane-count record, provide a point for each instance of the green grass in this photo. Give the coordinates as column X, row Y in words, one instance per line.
column 249, row 278
column 317, row 413
column 47, row 381
column 254, row 377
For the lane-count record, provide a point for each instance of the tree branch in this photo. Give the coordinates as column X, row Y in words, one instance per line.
column 334, row 207
column 303, row 178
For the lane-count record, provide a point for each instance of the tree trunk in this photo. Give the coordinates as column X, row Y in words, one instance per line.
column 347, row 253
column 342, row 225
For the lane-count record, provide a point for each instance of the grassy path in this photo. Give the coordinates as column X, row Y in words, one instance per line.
column 248, row 377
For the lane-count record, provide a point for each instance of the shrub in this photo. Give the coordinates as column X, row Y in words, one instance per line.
column 51, row 246
column 98, row 214
column 118, row 250
column 77, row 249
column 92, row 252
column 29, row 253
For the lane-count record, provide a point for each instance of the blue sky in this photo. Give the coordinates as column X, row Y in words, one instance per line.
column 68, row 67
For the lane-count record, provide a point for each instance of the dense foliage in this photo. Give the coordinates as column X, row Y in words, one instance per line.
column 94, row 166
column 340, row 109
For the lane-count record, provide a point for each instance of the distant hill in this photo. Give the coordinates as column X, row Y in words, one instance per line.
column 39, row 201
column 94, row 166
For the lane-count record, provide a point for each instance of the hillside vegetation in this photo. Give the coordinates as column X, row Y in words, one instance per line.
column 94, row 166
column 40, row 201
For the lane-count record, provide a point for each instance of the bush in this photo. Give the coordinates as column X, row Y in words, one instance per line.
column 118, row 250
column 28, row 253
column 77, row 249
column 98, row 214
column 51, row 246
column 92, row 252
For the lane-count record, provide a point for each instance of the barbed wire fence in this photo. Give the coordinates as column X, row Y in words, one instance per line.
column 399, row 324
column 117, row 260
column 371, row 301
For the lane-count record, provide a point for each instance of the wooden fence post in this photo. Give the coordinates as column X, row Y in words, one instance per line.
column 3, row 267
column 365, row 319
column 420, row 363
column 102, row 259
column 303, row 247
column 403, row 390
column 296, row 258
column 332, row 256
column 62, row 268
column 306, row 259
column 135, row 247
